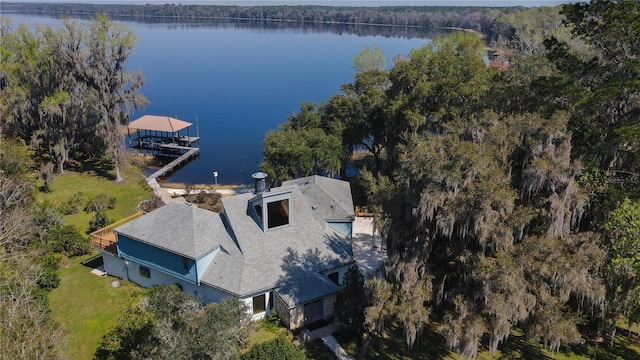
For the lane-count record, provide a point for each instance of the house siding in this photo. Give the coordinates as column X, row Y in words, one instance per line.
column 248, row 300
column 203, row 262
column 114, row 266
column 130, row 270
column 341, row 271
column 156, row 258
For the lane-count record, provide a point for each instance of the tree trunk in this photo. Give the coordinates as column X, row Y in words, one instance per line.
column 439, row 294
column 119, row 177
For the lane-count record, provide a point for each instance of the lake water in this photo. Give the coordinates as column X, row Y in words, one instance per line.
column 239, row 82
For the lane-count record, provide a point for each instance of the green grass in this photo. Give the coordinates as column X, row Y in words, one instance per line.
column 87, row 306
column 128, row 194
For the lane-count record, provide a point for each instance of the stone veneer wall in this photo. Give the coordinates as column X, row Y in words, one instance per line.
column 283, row 312
column 294, row 318
column 297, row 317
column 329, row 306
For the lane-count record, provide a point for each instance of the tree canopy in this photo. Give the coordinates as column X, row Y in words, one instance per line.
column 171, row 324
column 500, row 187
column 65, row 90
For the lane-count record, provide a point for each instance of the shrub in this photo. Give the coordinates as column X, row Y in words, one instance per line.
column 67, row 239
column 49, row 265
column 98, row 221
column 271, row 323
column 100, row 202
column 279, row 348
column 150, row 204
column 71, row 206
column 46, row 216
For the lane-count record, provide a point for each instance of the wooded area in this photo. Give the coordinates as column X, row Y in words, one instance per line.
column 392, row 20
column 507, row 190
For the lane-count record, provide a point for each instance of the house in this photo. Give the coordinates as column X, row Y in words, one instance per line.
column 283, row 249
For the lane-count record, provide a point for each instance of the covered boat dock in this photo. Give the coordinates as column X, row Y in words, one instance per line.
column 164, row 136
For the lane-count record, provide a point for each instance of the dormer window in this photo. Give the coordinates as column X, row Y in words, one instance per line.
column 258, row 209
column 273, row 211
column 278, row 213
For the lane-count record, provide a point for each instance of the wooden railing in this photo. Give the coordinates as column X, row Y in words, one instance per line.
column 105, row 239
column 361, row 213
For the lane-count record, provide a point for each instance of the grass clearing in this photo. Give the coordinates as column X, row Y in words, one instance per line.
column 128, row 194
column 87, row 306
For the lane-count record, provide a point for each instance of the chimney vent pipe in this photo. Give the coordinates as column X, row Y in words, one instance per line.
column 260, row 182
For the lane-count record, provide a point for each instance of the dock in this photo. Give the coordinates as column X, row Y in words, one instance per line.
column 163, row 136
column 184, row 158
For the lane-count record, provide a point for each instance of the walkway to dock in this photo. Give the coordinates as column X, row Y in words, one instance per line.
column 152, row 179
column 175, row 163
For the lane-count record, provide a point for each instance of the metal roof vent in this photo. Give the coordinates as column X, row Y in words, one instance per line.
column 260, row 182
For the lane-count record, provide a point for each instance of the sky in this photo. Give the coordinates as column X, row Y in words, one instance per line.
column 527, row 3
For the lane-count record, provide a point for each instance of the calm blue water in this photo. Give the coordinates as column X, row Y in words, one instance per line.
column 239, row 83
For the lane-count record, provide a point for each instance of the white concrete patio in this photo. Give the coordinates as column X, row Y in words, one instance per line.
column 367, row 246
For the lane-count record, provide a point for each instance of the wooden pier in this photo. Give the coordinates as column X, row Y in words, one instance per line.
column 191, row 152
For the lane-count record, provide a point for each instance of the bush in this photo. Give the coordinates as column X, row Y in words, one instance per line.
column 150, row 204
column 71, row 206
column 98, row 221
column 271, row 323
column 49, row 265
column 100, row 202
column 67, row 239
column 46, row 216
column 209, row 201
column 279, row 348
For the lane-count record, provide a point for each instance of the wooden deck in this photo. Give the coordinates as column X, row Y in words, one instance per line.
column 175, row 163
column 105, row 239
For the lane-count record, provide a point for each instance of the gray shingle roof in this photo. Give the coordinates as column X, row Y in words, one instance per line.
column 267, row 257
column 302, row 285
column 330, row 198
column 182, row 229
column 253, row 260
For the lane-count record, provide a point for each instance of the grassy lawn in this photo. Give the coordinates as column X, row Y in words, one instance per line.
column 87, row 306
column 128, row 194
column 390, row 345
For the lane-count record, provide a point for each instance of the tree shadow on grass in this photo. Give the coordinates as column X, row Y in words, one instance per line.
column 390, row 344
column 101, row 168
column 518, row 346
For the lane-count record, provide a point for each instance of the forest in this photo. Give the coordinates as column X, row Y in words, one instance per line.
column 506, row 189
column 394, row 19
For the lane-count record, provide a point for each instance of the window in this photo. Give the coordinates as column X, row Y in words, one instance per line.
column 144, row 272
column 278, row 213
column 185, row 263
column 334, row 276
column 258, row 304
column 271, row 300
column 258, row 209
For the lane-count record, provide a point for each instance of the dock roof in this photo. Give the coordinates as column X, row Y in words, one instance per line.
column 158, row 123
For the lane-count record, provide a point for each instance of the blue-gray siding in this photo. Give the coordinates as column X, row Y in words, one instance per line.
column 157, row 258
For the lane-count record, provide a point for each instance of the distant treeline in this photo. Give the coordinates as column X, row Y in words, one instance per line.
column 405, row 21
